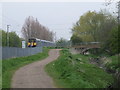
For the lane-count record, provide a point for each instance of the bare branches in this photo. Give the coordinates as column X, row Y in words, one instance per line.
column 33, row 29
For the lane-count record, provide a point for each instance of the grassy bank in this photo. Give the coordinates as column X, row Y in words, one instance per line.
column 0, row 74
column 113, row 66
column 9, row 66
column 114, row 63
column 75, row 71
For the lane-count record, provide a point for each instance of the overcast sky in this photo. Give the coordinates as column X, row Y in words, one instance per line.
column 59, row 17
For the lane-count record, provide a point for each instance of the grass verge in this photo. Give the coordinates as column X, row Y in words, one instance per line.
column 75, row 71
column 113, row 66
column 9, row 66
column 114, row 63
column 0, row 74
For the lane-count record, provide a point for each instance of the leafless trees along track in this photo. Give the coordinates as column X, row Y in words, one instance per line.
column 33, row 75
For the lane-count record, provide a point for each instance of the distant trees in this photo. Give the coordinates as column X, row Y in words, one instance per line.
column 33, row 29
column 4, row 38
column 92, row 26
column 63, row 43
column 75, row 39
column 113, row 43
column 14, row 40
column 97, row 27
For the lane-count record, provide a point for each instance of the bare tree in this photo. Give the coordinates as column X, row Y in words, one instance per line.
column 33, row 29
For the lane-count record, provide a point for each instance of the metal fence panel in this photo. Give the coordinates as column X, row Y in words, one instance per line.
column 12, row 52
column 0, row 53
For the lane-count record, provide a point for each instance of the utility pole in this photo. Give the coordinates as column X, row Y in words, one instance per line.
column 55, row 36
column 7, row 35
column 55, row 39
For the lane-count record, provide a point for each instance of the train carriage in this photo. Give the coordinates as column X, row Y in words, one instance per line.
column 34, row 42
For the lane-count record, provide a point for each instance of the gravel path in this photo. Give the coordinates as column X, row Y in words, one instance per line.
column 33, row 75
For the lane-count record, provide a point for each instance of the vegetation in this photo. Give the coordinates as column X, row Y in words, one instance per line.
column 14, row 40
column 0, row 59
column 32, row 28
column 0, row 74
column 101, row 27
column 112, row 44
column 75, row 39
column 113, row 66
column 9, row 66
column 62, row 42
column 98, row 27
column 93, row 25
column 75, row 71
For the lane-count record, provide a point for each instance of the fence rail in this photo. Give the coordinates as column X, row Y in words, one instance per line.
column 12, row 52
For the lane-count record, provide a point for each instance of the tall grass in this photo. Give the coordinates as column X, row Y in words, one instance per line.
column 75, row 71
column 114, row 63
column 0, row 74
column 113, row 66
column 9, row 66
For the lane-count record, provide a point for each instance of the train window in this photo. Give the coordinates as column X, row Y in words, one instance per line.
column 32, row 40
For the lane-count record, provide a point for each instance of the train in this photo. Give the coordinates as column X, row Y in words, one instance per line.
column 35, row 42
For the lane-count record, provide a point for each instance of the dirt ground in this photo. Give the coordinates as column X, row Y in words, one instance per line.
column 33, row 75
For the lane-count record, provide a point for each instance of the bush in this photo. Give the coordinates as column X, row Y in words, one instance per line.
column 14, row 40
column 75, row 71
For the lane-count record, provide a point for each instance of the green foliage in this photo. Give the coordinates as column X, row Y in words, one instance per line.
column 114, row 66
column 114, row 63
column 0, row 38
column 101, row 27
column 4, row 38
column 9, row 66
column 92, row 26
column 113, row 42
column 75, row 71
column 14, row 40
column 62, row 43
column 75, row 39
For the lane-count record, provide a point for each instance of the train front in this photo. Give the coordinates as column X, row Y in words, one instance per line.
column 32, row 42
